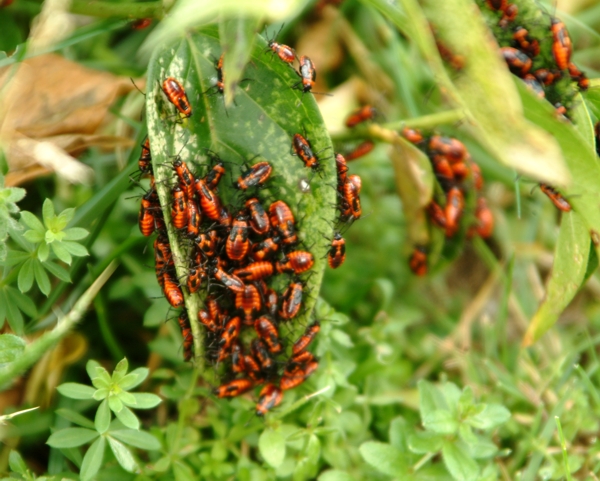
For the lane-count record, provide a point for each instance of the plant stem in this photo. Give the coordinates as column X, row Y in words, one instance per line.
column 46, row 341
column 93, row 8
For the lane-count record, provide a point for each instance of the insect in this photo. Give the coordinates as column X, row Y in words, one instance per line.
column 509, row 14
column 234, row 388
column 270, row 396
column 443, row 170
column 207, row 243
column 498, row 5
column 455, row 204
column 231, row 281
column 237, row 244
column 207, row 320
column 196, row 276
column 546, row 77
column 525, row 43
column 237, row 358
column 214, row 175
column 518, row 62
column 296, row 262
column 418, row 260
column 194, row 218
column 533, row 85
column 220, row 75
column 230, row 333
column 350, row 206
column 145, row 160
column 271, row 299
column 453, row 149
column 337, row 251
column 211, row 204
column 437, row 214
column 304, row 341
column 291, row 301
column 171, row 289
column 308, row 75
column 303, row 357
column 561, row 45
column 457, row 62
column 265, row 249
column 285, row 53
column 282, row 220
column 249, row 301
column 267, row 331
column 179, row 209
column 556, row 197
column 361, row 150
column 254, row 271
column 148, row 214
column 303, row 150
column 141, row 23
column 177, row 96
column 582, row 81
column 186, row 332
column 477, row 177
column 259, row 220
column 252, row 368
column 254, row 176
column 261, row 354
column 485, row 219
column 414, row 136
column 186, row 178
column 342, row 169
column 360, row 115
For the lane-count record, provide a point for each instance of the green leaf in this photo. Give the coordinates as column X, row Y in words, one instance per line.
column 145, row 400
column 57, row 271
column 341, row 338
column 268, row 113
column 43, row 252
column 71, row 437
column 59, row 250
column 3, row 304
column 48, row 212
column 101, row 394
column 481, row 448
column 75, row 233
column 13, row 314
column 120, row 370
column 123, row 455
column 90, row 368
column 114, row 403
column 458, row 462
column 425, row 442
column 134, row 378
column 335, row 475
column 16, row 194
column 399, row 433
column 16, row 463
column 93, row 459
column 42, row 279
column 25, row 279
column 23, row 302
column 384, row 458
column 568, row 273
column 128, row 419
column 441, row 422
column 33, row 222
column 102, row 419
column 16, row 257
column 75, row 390
column 64, row 218
column 75, row 249
column 75, row 418
column 138, row 439
column 34, row 236
column 430, row 399
column 493, row 415
column 127, row 398
column 271, row 445
column 11, row 347
column 237, row 40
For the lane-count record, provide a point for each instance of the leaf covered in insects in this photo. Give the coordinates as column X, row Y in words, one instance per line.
column 258, row 126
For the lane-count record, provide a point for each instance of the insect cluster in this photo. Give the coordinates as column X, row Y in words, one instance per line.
column 240, row 254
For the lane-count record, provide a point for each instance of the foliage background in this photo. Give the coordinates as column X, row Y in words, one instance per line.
column 384, row 330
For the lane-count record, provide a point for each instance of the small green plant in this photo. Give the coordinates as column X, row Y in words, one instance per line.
column 112, row 392
column 455, row 426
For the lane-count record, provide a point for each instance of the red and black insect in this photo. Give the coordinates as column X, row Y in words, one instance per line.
column 296, row 262
column 360, row 115
column 556, row 197
column 270, row 297
column 265, row 249
column 194, row 218
column 255, row 176
column 237, row 358
column 249, row 301
column 291, row 301
column 509, row 15
column 303, row 150
column 562, row 47
column 525, row 43
column 535, row 86
column 145, row 160
column 414, row 136
column 149, row 213
column 307, row 73
column 546, row 77
column 282, row 221
column 518, row 62
column 484, row 226
column 267, row 331
column 337, row 251
column 211, row 204
column 350, row 207
column 220, row 75
column 230, row 334
column 177, row 96
column 205, row 318
column 453, row 149
column 237, row 244
column 304, row 341
column 582, row 81
column 179, row 208
column 186, row 178
column 231, row 281
column 342, row 169
column 270, row 396
column 234, row 388
column 214, row 175
column 253, row 369
column 455, row 204
column 208, row 242
column 436, row 214
column 141, row 23
column 186, row 332
column 196, row 276
column 418, row 260
column 361, row 150
column 254, row 271
column 259, row 220
column 285, row 53
column 171, row 289
column 477, row 177
column 261, row 354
